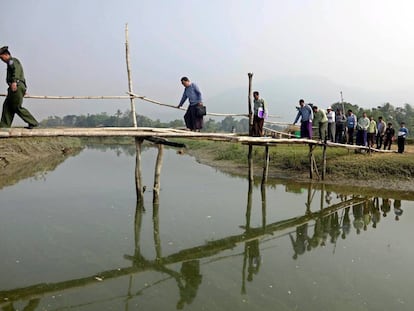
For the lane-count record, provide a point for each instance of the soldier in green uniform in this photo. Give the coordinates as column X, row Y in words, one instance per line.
column 17, row 89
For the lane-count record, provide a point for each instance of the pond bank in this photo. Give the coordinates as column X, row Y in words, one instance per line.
column 375, row 174
column 22, row 158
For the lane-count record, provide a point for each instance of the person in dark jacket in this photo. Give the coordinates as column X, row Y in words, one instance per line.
column 15, row 93
column 389, row 136
column 193, row 94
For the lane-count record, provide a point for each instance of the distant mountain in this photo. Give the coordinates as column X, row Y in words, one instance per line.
column 283, row 93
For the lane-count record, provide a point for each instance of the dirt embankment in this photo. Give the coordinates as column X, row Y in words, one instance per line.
column 22, row 158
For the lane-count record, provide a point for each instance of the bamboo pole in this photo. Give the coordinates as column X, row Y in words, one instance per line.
column 134, row 118
column 74, row 97
column 157, row 174
column 263, row 193
column 249, row 100
column 156, row 229
column 175, row 107
column 250, row 161
column 266, row 165
column 324, row 162
column 138, row 176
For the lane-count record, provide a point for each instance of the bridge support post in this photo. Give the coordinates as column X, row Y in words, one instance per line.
column 324, row 161
column 266, row 165
column 313, row 166
column 157, row 174
column 138, row 177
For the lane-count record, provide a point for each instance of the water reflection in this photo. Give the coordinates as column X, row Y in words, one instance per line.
column 312, row 230
column 327, row 225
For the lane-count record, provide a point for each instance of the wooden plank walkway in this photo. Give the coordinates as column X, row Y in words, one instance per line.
column 166, row 133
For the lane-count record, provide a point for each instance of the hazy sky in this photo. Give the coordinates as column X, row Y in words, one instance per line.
column 77, row 47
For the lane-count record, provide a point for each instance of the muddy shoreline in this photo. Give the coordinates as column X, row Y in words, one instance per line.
column 392, row 186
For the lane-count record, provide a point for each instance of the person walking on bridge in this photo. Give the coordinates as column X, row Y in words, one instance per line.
column 402, row 135
column 351, row 123
column 306, row 114
column 15, row 93
column 193, row 94
column 259, row 114
column 321, row 120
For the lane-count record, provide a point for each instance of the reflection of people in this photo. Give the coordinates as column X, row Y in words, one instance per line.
column 193, row 94
column 357, row 211
column 17, row 88
column 259, row 114
column 31, row 306
column 190, row 271
column 346, row 224
column 385, row 207
column 254, row 258
column 301, row 243
column 397, row 209
column 376, row 213
column 306, row 114
column 335, row 229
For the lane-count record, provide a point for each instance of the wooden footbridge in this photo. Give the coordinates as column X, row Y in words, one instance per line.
column 160, row 135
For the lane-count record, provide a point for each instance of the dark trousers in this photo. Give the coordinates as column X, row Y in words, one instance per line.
column 361, row 139
column 339, row 134
column 401, row 144
column 191, row 120
column 387, row 143
column 257, row 129
column 370, row 139
column 380, row 139
column 350, row 135
column 306, row 129
column 13, row 105
column 331, row 131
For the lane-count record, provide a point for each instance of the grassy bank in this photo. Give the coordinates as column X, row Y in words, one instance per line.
column 21, row 158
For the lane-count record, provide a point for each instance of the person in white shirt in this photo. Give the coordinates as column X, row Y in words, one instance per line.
column 330, row 114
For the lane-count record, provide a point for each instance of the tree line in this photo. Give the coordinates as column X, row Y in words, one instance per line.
column 388, row 112
column 392, row 114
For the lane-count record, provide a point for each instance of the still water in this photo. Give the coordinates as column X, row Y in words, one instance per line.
column 74, row 240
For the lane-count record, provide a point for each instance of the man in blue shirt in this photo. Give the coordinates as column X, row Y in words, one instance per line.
column 306, row 114
column 402, row 135
column 193, row 121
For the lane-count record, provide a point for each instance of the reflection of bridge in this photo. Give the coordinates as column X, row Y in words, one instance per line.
column 140, row 264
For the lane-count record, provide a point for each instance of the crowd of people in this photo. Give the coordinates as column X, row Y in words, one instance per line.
column 337, row 127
